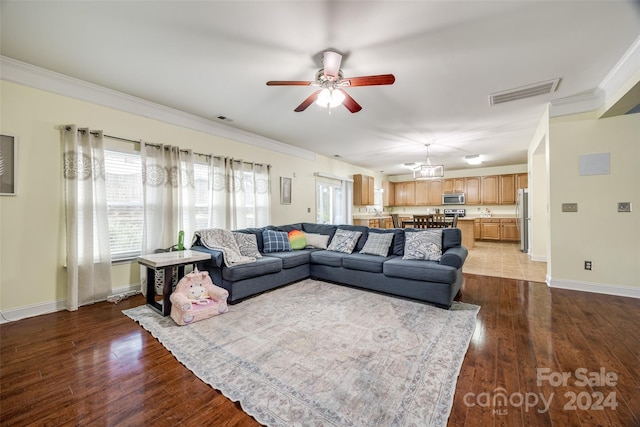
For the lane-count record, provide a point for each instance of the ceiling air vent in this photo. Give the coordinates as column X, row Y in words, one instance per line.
column 536, row 89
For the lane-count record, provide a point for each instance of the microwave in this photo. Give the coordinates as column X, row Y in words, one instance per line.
column 453, row 199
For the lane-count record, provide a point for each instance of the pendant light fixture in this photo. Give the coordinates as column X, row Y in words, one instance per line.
column 427, row 170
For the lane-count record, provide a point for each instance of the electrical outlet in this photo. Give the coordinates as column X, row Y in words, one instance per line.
column 587, row 265
column 569, row 207
column 624, row 206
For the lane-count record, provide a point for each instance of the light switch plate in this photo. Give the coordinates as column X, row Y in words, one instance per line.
column 569, row 207
column 624, row 206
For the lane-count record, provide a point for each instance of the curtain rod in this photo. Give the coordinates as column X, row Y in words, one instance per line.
column 68, row 128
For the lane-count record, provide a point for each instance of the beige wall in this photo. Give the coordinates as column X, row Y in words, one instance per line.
column 597, row 232
column 32, row 247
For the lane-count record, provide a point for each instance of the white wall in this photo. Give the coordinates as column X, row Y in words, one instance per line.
column 597, row 232
column 32, row 246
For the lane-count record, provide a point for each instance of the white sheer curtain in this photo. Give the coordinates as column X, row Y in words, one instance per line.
column 239, row 194
column 87, row 227
column 169, row 197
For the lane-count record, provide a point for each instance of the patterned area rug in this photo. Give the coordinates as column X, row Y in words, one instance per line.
column 315, row 353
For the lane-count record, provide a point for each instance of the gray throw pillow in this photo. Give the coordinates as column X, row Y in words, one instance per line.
column 344, row 241
column 377, row 244
column 425, row 245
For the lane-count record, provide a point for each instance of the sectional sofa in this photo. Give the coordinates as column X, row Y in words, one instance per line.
column 432, row 281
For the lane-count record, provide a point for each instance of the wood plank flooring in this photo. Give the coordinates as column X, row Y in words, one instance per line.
column 95, row 366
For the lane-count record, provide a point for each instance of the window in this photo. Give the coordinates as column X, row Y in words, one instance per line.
column 202, row 199
column 125, row 201
column 123, row 176
column 333, row 201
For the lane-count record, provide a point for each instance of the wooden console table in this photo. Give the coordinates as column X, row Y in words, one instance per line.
column 167, row 261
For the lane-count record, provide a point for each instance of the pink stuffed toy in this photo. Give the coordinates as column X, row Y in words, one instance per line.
column 197, row 298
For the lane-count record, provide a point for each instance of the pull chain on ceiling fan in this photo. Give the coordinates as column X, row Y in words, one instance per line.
column 330, row 81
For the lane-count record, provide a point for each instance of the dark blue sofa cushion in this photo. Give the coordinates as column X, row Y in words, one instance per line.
column 364, row 262
column 260, row 267
column 429, row 271
column 326, row 229
column 289, row 227
column 291, row 259
column 330, row 258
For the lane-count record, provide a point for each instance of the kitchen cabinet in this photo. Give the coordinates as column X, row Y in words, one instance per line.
column 382, row 222
column 472, row 190
column 509, row 230
column 507, row 187
column 490, row 228
column 490, row 190
column 405, row 193
column 388, row 193
column 453, row 185
column 499, row 229
column 434, row 192
column 362, row 190
column 422, row 188
column 522, row 180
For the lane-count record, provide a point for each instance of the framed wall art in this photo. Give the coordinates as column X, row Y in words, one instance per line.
column 285, row 191
column 8, row 163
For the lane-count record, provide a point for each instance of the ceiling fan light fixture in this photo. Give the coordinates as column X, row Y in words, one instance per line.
column 329, row 98
column 473, row 159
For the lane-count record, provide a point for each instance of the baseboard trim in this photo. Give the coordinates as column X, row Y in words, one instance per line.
column 15, row 314
column 598, row 288
column 537, row 258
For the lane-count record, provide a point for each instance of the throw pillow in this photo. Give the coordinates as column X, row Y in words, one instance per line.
column 314, row 240
column 344, row 241
column 377, row 244
column 275, row 241
column 425, row 245
column 248, row 244
column 297, row 240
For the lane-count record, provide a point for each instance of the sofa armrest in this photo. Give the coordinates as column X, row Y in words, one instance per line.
column 454, row 257
column 217, row 257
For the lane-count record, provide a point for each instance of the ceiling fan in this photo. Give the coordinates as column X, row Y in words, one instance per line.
column 331, row 83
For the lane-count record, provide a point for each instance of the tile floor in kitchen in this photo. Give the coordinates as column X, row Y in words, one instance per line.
column 501, row 259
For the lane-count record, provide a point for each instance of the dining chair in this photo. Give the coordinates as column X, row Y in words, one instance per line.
column 454, row 222
column 438, row 221
column 421, row 221
column 396, row 220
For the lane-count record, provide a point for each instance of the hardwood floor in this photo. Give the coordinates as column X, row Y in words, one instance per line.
column 95, row 366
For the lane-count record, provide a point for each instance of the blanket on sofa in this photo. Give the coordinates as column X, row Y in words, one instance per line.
column 223, row 241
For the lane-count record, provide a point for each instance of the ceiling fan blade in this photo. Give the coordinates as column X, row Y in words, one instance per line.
column 288, row 83
column 382, row 79
column 350, row 103
column 331, row 61
column 310, row 100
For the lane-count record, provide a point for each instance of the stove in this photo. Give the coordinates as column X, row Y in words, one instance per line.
column 451, row 212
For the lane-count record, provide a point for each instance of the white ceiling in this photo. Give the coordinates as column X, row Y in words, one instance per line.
column 212, row 58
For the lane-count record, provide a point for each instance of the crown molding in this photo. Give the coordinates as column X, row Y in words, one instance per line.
column 40, row 78
column 624, row 69
column 610, row 86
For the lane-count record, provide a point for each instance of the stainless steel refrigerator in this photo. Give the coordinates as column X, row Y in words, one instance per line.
column 522, row 218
